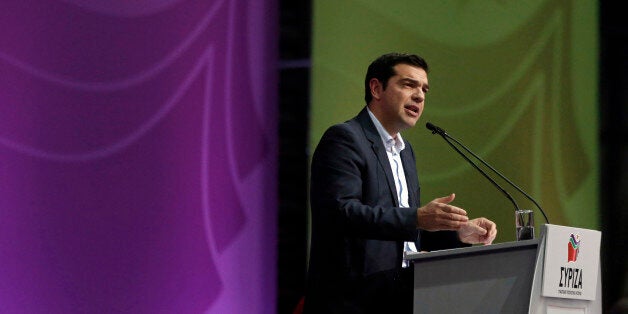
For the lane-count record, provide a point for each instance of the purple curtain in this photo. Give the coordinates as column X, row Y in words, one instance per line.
column 138, row 156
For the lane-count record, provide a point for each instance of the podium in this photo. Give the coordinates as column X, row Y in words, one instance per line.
column 508, row 278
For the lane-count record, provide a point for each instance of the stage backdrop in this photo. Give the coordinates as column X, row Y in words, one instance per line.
column 516, row 81
column 138, row 156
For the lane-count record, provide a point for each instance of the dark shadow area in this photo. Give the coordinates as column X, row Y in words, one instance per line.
column 294, row 105
column 613, row 151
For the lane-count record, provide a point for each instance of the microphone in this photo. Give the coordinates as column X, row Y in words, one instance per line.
column 435, row 129
column 441, row 132
column 446, row 137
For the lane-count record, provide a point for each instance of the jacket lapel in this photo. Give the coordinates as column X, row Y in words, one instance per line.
column 380, row 152
column 409, row 168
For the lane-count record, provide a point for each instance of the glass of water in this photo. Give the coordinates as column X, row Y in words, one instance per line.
column 524, row 221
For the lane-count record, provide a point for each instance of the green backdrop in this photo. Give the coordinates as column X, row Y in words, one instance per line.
column 515, row 81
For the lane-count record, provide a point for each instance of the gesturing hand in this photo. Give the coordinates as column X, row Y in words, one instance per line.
column 439, row 215
column 479, row 230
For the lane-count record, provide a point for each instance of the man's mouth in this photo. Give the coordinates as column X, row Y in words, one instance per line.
column 414, row 110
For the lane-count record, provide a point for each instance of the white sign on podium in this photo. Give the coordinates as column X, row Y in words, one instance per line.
column 572, row 257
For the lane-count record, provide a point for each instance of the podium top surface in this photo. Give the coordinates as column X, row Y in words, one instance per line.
column 477, row 249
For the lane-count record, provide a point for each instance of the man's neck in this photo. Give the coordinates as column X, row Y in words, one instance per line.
column 378, row 115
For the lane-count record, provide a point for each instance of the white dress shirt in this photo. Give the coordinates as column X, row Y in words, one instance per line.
column 394, row 146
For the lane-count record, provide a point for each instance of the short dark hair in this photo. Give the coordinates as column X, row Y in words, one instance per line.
column 383, row 68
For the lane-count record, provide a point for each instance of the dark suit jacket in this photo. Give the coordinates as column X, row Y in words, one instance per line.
column 358, row 228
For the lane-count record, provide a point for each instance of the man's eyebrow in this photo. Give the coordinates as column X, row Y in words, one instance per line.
column 409, row 80
column 415, row 82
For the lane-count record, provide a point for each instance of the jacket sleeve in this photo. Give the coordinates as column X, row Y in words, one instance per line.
column 349, row 193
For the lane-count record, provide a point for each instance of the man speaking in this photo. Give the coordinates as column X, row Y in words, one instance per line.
column 365, row 200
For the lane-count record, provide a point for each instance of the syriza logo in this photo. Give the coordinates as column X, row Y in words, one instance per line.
column 571, row 277
column 573, row 248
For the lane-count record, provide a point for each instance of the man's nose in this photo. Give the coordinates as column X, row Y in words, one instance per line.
column 418, row 96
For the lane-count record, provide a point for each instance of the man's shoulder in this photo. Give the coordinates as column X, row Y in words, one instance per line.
column 349, row 124
column 351, row 127
column 358, row 122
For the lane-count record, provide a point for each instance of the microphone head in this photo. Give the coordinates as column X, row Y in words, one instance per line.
column 435, row 129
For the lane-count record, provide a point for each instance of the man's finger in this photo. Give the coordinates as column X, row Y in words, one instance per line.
column 453, row 209
column 457, row 217
column 446, row 199
column 477, row 229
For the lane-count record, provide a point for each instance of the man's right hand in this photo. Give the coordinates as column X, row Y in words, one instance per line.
column 439, row 215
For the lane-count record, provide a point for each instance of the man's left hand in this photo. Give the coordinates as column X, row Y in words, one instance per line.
column 478, row 230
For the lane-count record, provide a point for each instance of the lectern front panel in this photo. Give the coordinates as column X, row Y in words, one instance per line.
column 482, row 279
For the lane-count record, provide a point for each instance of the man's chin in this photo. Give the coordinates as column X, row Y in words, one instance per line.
column 411, row 122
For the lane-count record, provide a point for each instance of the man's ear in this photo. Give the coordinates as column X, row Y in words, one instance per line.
column 376, row 88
